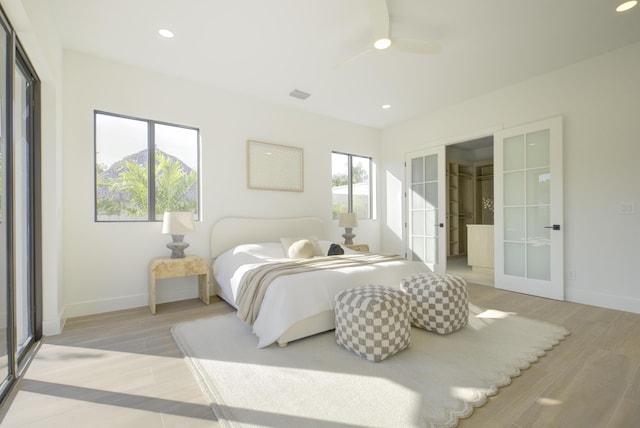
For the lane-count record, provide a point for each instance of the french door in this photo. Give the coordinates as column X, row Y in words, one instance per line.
column 426, row 208
column 528, row 209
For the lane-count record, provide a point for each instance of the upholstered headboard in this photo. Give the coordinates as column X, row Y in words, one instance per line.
column 231, row 231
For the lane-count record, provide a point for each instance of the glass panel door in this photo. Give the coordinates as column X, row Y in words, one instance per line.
column 22, row 189
column 5, row 314
column 426, row 208
column 20, row 237
column 529, row 241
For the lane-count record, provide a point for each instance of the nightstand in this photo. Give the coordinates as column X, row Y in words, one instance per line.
column 164, row 267
column 364, row 248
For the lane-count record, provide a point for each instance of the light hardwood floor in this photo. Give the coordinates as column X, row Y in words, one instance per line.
column 457, row 265
column 122, row 369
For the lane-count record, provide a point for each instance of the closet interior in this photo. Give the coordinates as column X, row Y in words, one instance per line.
column 470, row 209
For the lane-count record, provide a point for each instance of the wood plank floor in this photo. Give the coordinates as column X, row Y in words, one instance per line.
column 122, row 369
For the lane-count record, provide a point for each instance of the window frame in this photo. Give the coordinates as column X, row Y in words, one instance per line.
column 151, row 167
column 350, row 157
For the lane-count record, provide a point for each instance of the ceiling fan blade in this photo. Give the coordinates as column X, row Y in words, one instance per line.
column 379, row 19
column 416, row 46
column 354, row 58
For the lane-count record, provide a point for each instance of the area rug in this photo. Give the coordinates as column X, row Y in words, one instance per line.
column 316, row 383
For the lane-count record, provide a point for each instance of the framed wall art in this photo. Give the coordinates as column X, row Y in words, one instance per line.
column 274, row 167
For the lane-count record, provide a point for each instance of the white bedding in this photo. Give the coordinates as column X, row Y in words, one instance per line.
column 293, row 298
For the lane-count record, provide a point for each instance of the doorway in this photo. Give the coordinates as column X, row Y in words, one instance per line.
column 469, row 234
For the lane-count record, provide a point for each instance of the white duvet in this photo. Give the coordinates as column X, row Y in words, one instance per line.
column 292, row 298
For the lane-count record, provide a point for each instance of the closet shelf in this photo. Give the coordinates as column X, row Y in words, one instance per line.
column 467, row 184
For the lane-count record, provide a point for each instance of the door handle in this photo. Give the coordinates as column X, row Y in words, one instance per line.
column 554, row 227
column 441, row 225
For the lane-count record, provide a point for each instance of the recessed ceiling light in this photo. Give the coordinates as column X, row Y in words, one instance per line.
column 626, row 6
column 386, row 106
column 382, row 43
column 167, row 34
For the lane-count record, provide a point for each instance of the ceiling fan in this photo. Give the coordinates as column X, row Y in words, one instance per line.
column 382, row 38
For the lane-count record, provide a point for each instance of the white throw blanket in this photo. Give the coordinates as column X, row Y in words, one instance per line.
column 256, row 282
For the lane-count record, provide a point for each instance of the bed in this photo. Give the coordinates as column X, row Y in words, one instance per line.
column 295, row 305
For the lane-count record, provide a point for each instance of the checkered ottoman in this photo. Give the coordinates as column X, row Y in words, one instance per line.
column 439, row 303
column 373, row 321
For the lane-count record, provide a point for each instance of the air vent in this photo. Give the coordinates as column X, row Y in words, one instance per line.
column 299, row 94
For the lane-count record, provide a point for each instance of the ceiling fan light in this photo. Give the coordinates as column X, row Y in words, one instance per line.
column 167, row 34
column 626, row 6
column 382, row 43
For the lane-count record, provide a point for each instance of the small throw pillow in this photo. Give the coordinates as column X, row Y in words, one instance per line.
column 302, row 249
column 287, row 242
column 335, row 250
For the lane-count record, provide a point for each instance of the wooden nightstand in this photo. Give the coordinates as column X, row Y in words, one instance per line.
column 164, row 267
column 364, row 248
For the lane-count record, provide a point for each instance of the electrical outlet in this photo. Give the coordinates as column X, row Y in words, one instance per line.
column 627, row 208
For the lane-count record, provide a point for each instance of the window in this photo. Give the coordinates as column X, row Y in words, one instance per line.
column 351, row 184
column 128, row 152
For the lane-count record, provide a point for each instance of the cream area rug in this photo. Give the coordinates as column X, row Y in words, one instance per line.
column 314, row 382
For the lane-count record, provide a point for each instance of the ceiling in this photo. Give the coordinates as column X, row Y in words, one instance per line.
column 267, row 48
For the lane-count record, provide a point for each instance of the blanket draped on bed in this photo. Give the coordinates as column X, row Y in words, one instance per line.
column 254, row 284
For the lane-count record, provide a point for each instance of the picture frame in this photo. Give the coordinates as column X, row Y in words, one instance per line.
column 274, row 167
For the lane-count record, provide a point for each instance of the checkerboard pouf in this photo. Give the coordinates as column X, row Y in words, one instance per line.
column 373, row 321
column 439, row 302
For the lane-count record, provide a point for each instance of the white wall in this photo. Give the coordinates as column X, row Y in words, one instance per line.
column 105, row 264
column 599, row 101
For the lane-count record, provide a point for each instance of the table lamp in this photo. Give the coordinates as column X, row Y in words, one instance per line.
column 177, row 224
column 348, row 221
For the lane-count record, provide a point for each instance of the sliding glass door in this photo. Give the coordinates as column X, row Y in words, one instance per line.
column 5, row 309
column 23, row 208
column 20, row 235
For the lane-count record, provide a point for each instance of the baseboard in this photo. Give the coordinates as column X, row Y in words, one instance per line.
column 620, row 303
column 165, row 294
column 91, row 307
column 52, row 327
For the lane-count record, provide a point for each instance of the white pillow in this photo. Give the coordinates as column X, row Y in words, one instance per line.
column 266, row 250
column 287, row 242
column 302, row 249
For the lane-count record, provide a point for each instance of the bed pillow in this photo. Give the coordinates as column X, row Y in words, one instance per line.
column 302, row 249
column 263, row 250
column 287, row 242
column 325, row 245
column 335, row 250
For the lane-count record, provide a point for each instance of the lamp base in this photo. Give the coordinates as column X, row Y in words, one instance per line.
column 177, row 246
column 348, row 236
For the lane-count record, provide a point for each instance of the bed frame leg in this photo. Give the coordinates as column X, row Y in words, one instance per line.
column 283, row 344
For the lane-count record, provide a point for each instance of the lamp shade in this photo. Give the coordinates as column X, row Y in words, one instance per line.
column 178, row 223
column 348, row 220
